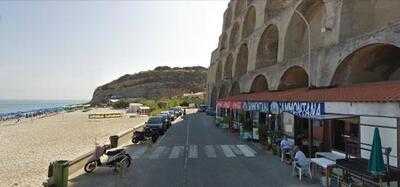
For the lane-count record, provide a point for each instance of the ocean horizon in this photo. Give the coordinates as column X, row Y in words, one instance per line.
column 15, row 105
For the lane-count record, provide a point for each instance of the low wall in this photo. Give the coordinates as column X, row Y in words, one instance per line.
column 108, row 115
column 78, row 163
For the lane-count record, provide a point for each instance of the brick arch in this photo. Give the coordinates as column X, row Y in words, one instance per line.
column 239, row 6
column 228, row 67
column 296, row 38
column 213, row 97
column 235, row 89
column 234, row 36
column 222, row 92
column 267, row 50
column 222, row 43
column 228, row 18
column 249, row 22
column 218, row 74
column 293, row 77
column 259, row 84
column 242, row 61
column 371, row 63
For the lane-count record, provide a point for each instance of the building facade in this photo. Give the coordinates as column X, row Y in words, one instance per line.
column 280, row 45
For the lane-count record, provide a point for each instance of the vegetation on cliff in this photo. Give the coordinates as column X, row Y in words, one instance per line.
column 160, row 83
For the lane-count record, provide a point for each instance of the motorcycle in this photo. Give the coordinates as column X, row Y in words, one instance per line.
column 105, row 157
column 142, row 136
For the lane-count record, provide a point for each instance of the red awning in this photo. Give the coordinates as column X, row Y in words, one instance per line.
column 368, row 92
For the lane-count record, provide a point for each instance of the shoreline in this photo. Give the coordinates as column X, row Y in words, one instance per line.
column 32, row 144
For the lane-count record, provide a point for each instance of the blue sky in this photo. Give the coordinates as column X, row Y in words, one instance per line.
column 64, row 50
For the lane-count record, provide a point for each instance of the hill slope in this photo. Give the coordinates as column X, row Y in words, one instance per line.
column 158, row 83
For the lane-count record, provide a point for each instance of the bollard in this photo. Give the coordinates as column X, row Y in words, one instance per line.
column 114, row 141
column 61, row 173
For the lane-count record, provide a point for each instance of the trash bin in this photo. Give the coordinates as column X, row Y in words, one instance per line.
column 114, row 141
column 60, row 173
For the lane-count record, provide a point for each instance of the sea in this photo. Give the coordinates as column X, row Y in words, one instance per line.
column 11, row 106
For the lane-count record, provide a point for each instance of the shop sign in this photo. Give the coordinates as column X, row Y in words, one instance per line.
column 256, row 106
column 229, row 104
column 302, row 109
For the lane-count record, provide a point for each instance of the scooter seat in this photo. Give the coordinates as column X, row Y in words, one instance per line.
column 113, row 152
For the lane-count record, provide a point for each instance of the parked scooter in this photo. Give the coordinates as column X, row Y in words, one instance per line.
column 105, row 157
column 146, row 134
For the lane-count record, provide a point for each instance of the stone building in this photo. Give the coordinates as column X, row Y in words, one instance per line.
column 278, row 45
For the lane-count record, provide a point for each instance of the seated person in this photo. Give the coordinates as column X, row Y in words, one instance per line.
column 300, row 158
column 286, row 147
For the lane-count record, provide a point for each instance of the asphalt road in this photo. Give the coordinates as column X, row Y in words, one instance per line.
column 195, row 153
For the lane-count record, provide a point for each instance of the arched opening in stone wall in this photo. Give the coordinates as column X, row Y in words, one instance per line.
column 239, row 6
column 233, row 38
column 222, row 92
column 218, row 75
column 272, row 7
column 296, row 39
column 259, row 84
column 249, row 22
column 241, row 61
column 359, row 17
column 228, row 18
column 213, row 97
column 372, row 63
column 228, row 67
column 267, row 50
column 222, row 44
column 294, row 77
column 235, row 90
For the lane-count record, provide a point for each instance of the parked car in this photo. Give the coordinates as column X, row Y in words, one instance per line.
column 203, row 108
column 166, row 119
column 210, row 111
column 168, row 114
column 157, row 124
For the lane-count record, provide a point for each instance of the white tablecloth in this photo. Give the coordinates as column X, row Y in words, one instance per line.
column 323, row 162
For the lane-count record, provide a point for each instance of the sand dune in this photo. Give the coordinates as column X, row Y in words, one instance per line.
column 29, row 146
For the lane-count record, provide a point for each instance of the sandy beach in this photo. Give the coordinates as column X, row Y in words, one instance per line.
column 30, row 145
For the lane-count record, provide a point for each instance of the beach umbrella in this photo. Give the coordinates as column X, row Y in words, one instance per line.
column 375, row 163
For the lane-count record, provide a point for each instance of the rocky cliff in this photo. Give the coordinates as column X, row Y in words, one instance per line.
column 161, row 82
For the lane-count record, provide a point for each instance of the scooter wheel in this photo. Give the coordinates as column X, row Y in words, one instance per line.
column 90, row 166
column 154, row 139
column 135, row 141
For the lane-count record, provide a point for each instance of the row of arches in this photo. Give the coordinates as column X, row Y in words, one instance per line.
column 296, row 37
column 376, row 62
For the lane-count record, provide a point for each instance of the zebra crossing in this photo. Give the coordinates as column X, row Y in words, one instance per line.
column 194, row 152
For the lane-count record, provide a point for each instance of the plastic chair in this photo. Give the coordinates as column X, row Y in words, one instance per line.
column 301, row 170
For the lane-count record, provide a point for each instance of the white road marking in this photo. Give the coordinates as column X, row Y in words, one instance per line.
column 139, row 152
column 193, row 151
column 176, row 151
column 157, row 152
column 247, row 151
column 227, row 151
column 236, row 150
column 210, row 151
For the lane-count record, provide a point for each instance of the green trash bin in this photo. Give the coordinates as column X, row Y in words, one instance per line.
column 114, row 141
column 60, row 173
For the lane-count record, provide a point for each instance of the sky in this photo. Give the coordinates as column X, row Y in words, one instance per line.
column 65, row 49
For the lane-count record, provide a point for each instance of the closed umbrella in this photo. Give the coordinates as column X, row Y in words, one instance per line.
column 375, row 164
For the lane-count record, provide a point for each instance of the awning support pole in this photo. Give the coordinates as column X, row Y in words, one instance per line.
column 310, row 137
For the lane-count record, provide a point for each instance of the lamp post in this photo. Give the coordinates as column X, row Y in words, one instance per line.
column 310, row 122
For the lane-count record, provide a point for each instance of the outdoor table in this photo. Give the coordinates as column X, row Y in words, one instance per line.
column 326, row 164
column 330, row 155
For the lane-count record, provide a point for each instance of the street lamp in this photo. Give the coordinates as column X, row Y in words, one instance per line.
column 309, row 41
column 310, row 122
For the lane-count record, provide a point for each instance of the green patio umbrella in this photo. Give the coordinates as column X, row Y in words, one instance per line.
column 375, row 164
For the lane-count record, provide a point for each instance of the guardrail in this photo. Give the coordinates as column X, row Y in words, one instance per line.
column 107, row 115
column 79, row 162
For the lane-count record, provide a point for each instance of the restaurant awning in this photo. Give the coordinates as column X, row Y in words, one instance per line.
column 367, row 92
column 333, row 116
